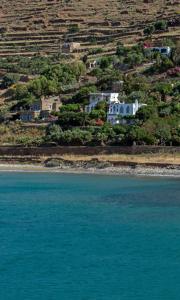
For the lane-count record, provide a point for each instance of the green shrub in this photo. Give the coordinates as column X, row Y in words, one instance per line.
column 161, row 25
column 74, row 28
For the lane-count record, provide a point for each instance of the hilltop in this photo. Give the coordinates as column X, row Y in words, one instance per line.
column 41, row 26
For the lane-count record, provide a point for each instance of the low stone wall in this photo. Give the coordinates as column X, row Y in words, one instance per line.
column 75, row 150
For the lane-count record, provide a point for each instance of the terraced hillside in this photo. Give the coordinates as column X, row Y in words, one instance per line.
column 31, row 26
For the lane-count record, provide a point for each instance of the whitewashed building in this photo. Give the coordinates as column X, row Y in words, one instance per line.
column 95, row 98
column 119, row 110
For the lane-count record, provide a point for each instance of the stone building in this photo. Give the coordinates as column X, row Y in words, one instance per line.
column 41, row 109
column 70, row 47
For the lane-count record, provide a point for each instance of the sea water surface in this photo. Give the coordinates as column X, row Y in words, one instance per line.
column 89, row 237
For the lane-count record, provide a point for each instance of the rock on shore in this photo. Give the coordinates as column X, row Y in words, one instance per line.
column 105, row 167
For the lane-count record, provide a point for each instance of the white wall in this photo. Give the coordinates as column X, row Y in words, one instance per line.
column 121, row 110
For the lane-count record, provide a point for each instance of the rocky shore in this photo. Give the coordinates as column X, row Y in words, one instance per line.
column 94, row 166
column 116, row 168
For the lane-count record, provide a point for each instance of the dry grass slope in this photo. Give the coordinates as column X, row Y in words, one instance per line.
column 31, row 26
column 161, row 158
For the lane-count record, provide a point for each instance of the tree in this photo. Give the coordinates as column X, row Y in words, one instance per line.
column 135, row 83
column 176, row 54
column 21, row 91
column 85, row 58
column 119, row 129
column 146, row 112
column 163, row 133
column 121, row 50
column 79, row 69
column 164, row 110
column 108, row 130
column 102, row 105
column 9, row 79
column 162, row 64
column 37, row 86
column 65, row 74
column 166, row 64
column 140, row 136
column 149, row 30
column 138, row 95
column 75, row 137
column 161, row 25
column 53, row 133
column 98, row 114
column 83, row 93
column 80, row 137
column 36, row 64
column 70, row 107
column 74, row 28
column 28, row 100
column 175, row 137
column 26, row 141
column 52, row 88
column 100, row 138
column 105, row 62
column 120, row 137
column 169, row 43
column 164, row 89
column 97, row 72
column 134, row 59
column 70, row 119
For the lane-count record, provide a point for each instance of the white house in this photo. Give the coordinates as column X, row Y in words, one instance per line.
column 121, row 109
column 95, row 98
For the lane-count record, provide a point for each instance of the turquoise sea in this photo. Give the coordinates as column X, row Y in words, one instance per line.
column 89, row 237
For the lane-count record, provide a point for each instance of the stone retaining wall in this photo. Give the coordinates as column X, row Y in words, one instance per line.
column 75, row 150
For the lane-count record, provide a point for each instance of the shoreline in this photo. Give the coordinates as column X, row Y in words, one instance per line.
column 139, row 170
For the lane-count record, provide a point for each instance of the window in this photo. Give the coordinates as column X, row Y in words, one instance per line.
column 156, row 50
column 127, row 110
column 121, row 110
column 36, row 107
column 163, row 50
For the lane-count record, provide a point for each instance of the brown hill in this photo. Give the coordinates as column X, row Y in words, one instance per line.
column 31, row 26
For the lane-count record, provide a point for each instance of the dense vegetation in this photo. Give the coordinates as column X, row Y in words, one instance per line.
column 146, row 78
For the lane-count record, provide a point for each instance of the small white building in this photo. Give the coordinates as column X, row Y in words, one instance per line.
column 166, row 50
column 120, row 109
column 95, row 98
column 91, row 64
